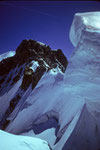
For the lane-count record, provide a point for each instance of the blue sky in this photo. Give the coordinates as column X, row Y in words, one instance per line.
column 45, row 21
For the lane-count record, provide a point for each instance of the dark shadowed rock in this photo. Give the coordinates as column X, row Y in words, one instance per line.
column 21, row 65
column 61, row 57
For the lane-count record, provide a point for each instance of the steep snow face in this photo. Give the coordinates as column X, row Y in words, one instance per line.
column 14, row 142
column 85, row 36
column 48, row 100
column 84, row 66
column 6, row 55
column 83, row 24
column 83, row 76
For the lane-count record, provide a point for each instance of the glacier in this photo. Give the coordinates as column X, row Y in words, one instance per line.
column 65, row 107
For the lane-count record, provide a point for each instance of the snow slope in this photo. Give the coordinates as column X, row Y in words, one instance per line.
column 48, row 100
column 6, row 55
column 15, row 142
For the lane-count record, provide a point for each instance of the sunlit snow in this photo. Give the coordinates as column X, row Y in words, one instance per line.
column 6, row 55
column 15, row 142
column 91, row 19
column 34, row 65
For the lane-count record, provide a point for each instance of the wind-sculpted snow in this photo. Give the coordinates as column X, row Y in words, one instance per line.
column 83, row 76
column 85, row 25
column 66, row 106
column 15, row 142
column 48, row 99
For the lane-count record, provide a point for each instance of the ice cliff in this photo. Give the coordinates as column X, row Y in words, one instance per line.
column 83, row 78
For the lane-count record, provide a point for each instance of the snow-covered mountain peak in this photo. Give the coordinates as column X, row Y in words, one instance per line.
column 23, row 71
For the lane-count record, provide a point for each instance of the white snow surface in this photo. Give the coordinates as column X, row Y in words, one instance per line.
column 17, row 142
column 40, row 43
column 83, row 22
column 6, row 55
column 45, row 135
column 91, row 19
column 34, row 66
column 49, row 96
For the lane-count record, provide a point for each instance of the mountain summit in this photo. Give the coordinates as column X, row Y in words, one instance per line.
column 24, row 70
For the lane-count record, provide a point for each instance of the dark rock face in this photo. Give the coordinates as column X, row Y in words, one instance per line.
column 19, row 66
column 6, row 65
column 4, row 122
column 62, row 59
column 27, row 79
column 30, row 50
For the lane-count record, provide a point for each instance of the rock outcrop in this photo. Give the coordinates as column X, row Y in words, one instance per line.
column 28, row 51
column 31, row 60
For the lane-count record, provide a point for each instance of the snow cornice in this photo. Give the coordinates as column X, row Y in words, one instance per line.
column 85, row 25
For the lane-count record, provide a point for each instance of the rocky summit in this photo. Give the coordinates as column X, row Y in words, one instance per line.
column 28, row 54
column 31, row 60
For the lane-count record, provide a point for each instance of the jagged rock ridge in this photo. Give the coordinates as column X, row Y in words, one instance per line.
column 31, row 60
column 28, row 51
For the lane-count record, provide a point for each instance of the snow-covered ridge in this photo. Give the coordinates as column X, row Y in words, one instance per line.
column 41, row 43
column 6, row 55
column 23, row 71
